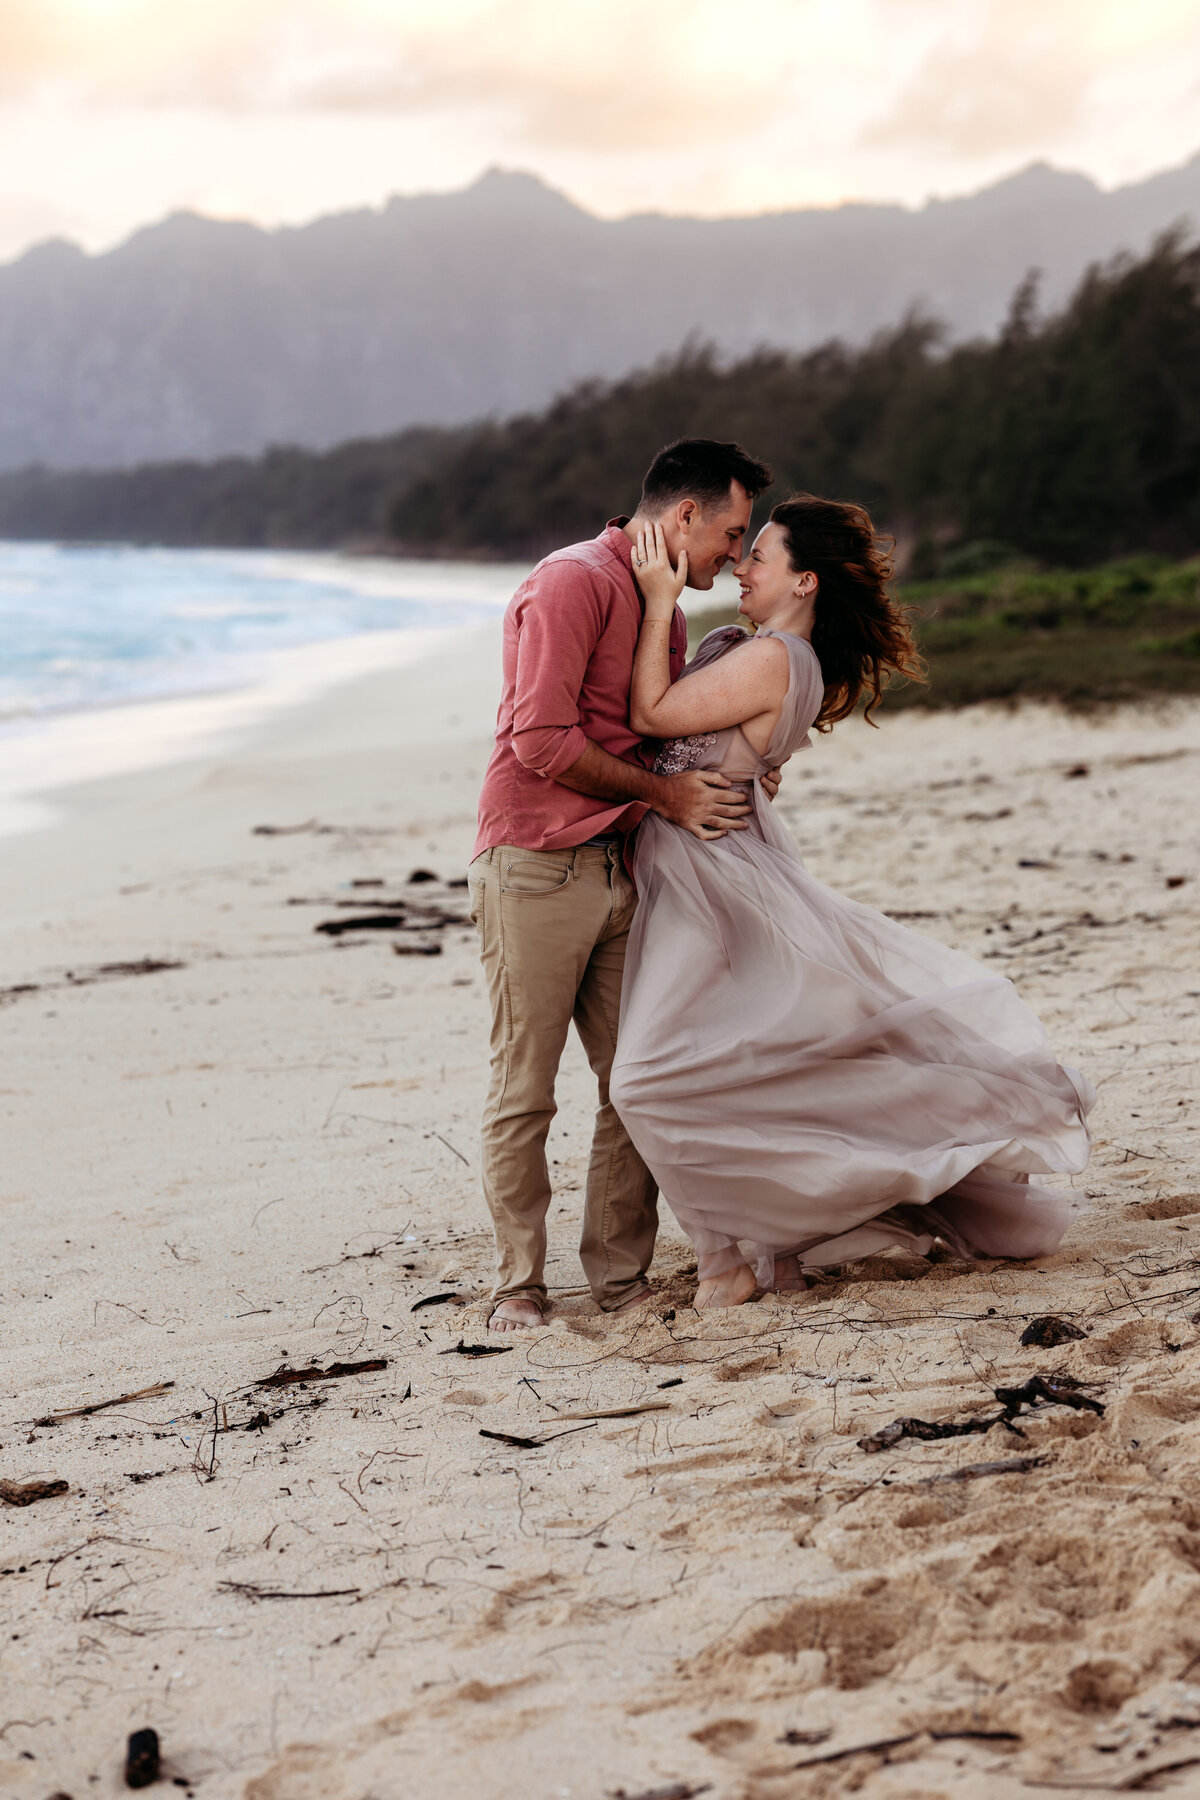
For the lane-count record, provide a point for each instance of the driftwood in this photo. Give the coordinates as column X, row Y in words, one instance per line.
column 1125, row 1783
column 675, row 1790
column 1014, row 1465
column 398, row 918
column 145, row 965
column 1055, row 1390
column 285, row 1377
column 929, row 1430
column 910, row 1737
column 24, row 1493
column 388, row 921
column 620, row 1412
column 983, row 1737
column 878, row 1744
column 73, row 978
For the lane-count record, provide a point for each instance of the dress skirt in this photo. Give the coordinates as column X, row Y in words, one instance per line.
column 803, row 1075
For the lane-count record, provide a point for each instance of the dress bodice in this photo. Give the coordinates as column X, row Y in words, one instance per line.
column 730, row 751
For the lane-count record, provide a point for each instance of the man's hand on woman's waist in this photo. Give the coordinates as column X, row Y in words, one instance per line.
column 700, row 801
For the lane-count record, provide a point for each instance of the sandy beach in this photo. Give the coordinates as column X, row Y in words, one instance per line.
column 636, row 1556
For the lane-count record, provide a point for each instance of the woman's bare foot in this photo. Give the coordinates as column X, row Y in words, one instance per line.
column 789, row 1276
column 732, row 1288
column 518, row 1313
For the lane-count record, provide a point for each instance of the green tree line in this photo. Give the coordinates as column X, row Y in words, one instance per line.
column 286, row 498
column 1070, row 439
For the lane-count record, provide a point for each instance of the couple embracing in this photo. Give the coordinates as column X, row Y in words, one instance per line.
column 804, row 1080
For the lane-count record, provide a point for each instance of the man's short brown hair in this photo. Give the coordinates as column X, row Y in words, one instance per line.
column 701, row 469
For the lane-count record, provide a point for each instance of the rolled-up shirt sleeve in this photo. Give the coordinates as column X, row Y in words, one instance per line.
column 559, row 620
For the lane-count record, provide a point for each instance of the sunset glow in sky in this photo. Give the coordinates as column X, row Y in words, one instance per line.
column 114, row 112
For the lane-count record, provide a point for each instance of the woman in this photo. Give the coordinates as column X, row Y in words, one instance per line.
column 808, row 1081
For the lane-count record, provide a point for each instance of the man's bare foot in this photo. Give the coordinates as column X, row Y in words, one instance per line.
column 516, row 1314
column 789, row 1276
column 732, row 1288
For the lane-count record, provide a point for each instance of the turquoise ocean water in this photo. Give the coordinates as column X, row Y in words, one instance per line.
column 104, row 626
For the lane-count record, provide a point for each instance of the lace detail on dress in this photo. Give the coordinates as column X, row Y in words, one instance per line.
column 678, row 754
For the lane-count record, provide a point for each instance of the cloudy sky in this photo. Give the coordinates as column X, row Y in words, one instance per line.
column 114, row 112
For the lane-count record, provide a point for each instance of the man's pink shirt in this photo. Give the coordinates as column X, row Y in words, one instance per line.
column 570, row 632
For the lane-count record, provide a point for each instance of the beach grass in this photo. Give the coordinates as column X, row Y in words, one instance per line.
column 1126, row 630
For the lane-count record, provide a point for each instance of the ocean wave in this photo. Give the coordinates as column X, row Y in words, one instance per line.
column 87, row 627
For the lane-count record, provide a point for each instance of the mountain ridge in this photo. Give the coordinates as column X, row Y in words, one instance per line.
column 198, row 337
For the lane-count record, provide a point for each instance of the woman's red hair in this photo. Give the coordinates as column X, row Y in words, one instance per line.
column 862, row 634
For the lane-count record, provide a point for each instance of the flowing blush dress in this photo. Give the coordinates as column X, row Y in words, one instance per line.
column 804, row 1076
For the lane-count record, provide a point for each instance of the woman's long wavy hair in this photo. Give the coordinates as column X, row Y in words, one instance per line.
column 861, row 634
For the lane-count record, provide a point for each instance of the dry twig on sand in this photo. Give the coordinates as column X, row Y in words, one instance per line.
column 82, row 1412
column 531, row 1443
column 250, row 1590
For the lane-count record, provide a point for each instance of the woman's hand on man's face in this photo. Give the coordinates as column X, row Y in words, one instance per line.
column 661, row 585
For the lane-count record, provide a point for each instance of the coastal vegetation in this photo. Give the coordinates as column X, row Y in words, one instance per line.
column 1080, row 636
column 1083, row 637
column 286, row 498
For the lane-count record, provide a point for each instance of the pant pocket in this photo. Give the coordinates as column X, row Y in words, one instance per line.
column 533, row 877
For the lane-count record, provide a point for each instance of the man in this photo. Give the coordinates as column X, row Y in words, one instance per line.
column 567, row 784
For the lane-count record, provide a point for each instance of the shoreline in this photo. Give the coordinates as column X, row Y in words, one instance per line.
column 40, row 756
column 125, row 656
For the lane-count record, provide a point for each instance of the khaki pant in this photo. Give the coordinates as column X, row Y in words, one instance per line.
column 553, row 926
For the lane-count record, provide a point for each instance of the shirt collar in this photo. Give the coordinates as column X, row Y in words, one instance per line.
column 614, row 537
